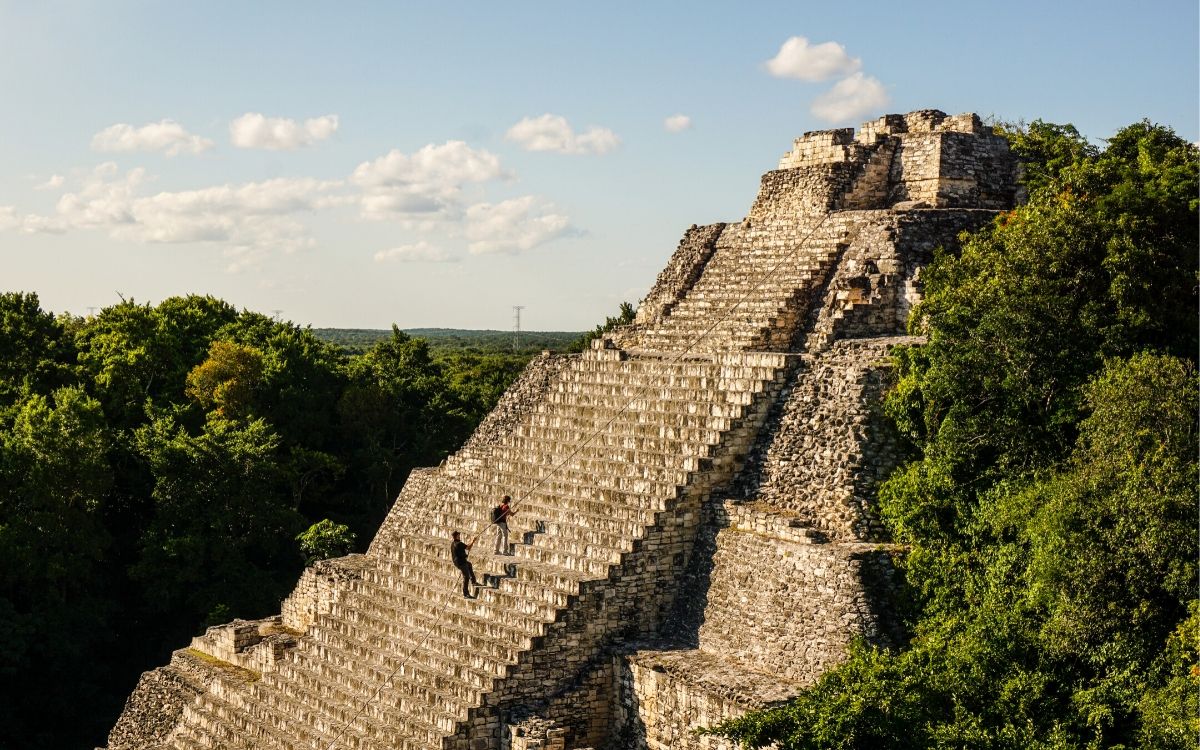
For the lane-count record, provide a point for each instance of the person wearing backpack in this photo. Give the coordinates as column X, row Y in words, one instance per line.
column 500, row 516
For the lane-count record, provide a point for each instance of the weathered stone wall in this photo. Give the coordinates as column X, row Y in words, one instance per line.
column 663, row 695
column 317, row 590
column 826, row 446
column 163, row 695
column 154, row 707
column 517, row 401
column 683, row 269
column 787, row 607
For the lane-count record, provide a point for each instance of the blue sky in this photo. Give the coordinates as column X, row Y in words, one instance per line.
column 435, row 164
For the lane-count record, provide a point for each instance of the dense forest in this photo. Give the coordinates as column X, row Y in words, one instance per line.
column 1049, row 516
column 164, row 467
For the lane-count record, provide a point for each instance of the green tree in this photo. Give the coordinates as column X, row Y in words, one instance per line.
column 625, row 315
column 228, row 381
column 325, row 539
column 55, row 609
column 35, row 352
column 397, row 413
column 1045, row 149
column 134, row 354
column 222, row 530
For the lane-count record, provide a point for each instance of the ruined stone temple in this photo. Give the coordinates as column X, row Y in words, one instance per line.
column 695, row 533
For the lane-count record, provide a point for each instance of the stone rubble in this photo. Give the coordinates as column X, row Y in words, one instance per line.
column 696, row 532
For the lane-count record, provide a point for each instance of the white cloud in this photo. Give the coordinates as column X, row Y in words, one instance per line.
column 254, row 130
column 513, row 225
column 54, row 182
column 677, row 123
column 419, row 252
column 247, row 220
column 851, row 98
column 426, row 183
column 553, row 133
column 797, row 59
column 167, row 136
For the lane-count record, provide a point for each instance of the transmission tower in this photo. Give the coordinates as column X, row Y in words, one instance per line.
column 517, row 326
column 277, row 313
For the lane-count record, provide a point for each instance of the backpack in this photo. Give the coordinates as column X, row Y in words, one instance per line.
column 498, row 514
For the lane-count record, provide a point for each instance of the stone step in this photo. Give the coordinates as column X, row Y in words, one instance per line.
column 649, row 401
column 213, row 721
column 543, row 524
column 629, row 421
column 589, row 458
column 348, row 645
column 357, row 701
column 430, row 557
column 646, row 406
column 499, row 642
column 692, row 427
column 691, row 442
column 420, row 593
column 636, row 494
column 556, row 502
column 638, row 480
column 566, row 536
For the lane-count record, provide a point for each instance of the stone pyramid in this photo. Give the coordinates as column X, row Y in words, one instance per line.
column 695, row 534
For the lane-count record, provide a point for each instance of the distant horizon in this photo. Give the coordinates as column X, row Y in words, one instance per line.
column 284, row 318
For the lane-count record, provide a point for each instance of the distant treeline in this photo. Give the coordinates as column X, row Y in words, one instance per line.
column 454, row 339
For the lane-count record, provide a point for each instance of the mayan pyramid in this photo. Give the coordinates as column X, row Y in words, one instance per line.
column 695, row 534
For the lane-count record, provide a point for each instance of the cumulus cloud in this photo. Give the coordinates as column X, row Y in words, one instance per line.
column 166, row 136
column 425, row 183
column 416, row 253
column 851, row 98
column 54, row 182
column 818, row 62
column 247, row 220
column 254, row 130
column 677, row 123
column 513, row 225
column 553, row 133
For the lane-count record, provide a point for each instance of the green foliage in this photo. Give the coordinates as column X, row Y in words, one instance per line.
column 157, row 464
column 35, row 352
column 1045, row 149
column 1052, row 516
column 397, row 413
column 223, row 519
column 325, row 539
column 55, row 480
column 228, row 380
column 625, row 315
column 452, row 340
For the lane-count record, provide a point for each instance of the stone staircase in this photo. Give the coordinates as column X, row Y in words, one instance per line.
column 401, row 659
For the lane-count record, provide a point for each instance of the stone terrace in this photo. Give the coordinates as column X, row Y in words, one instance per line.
column 695, row 533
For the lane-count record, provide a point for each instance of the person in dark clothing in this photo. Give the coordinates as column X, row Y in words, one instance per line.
column 458, row 553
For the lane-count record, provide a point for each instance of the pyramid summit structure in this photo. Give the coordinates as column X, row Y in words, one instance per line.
column 696, row 533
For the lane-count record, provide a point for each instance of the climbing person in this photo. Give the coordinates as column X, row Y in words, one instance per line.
column 458, row 553
column 500, row 515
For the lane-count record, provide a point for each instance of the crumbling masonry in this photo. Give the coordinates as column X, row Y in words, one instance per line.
column 696, row 524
